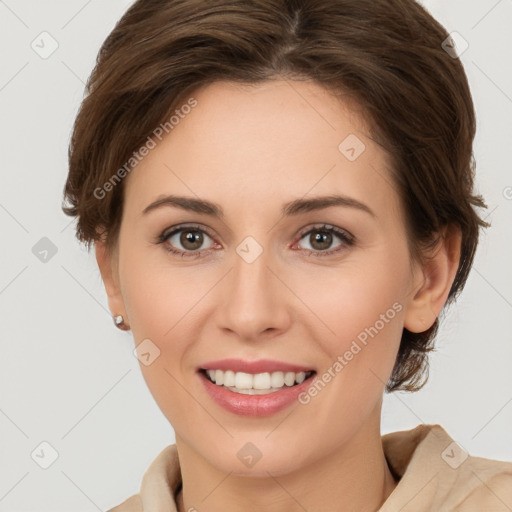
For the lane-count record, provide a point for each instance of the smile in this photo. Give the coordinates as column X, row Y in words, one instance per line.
column 254, row 388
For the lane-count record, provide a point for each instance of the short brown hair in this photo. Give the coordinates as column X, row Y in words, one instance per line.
column 386, row 54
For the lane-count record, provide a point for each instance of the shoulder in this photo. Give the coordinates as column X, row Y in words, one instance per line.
column 132, row 504
column 485, row 484
column 436, row 473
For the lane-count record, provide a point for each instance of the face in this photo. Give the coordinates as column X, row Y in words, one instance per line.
column 280, row 278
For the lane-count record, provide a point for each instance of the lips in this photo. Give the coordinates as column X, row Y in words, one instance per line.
column 254, row 388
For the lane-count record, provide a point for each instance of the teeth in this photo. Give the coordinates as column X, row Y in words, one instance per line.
column 242, row 380
column 277, row 379
column 229, row 378
column 289, row 378
column 256, row 384
column 261, row 381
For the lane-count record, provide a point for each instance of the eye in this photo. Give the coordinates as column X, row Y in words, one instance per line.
column 320, row 238
column 186, row 241
column 190, row 238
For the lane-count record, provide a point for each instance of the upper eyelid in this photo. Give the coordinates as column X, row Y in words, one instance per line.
column 179, row 227
column 326, row 227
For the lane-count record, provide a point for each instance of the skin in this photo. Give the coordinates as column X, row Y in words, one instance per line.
column 251, row 149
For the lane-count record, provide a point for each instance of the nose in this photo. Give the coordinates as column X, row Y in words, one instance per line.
column 255, row 302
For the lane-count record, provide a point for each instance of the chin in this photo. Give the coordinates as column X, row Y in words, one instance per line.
column 248, row 456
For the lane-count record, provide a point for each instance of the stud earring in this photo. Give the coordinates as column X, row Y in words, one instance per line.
column 119, row 323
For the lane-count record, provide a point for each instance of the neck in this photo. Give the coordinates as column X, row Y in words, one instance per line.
column 354, row 476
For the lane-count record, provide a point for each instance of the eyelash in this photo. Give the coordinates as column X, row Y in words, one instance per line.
column 345, row 237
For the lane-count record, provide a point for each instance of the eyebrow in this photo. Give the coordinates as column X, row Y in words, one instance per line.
column 291, row 208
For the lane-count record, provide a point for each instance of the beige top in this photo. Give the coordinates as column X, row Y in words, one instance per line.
column 436, row 475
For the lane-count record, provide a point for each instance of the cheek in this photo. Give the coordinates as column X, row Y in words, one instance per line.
column 350, row 302
column 158, row 312
column 152, row 293
column 162, row 304
column 362, row 311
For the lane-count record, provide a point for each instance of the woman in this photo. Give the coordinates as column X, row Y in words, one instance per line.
column 280, row 196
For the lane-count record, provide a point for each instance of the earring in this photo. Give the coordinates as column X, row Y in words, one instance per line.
column 119, row 323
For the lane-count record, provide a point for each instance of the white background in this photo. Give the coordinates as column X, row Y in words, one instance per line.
column 68, row 376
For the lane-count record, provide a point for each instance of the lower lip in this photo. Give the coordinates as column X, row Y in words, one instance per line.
column 254, row 405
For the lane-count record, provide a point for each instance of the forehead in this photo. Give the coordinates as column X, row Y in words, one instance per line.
column 248, row 145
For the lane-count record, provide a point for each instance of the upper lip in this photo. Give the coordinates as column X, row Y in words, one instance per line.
column 259, row 366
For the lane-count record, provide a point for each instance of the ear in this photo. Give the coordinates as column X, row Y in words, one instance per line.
column 434, row 281
column 107, row 263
